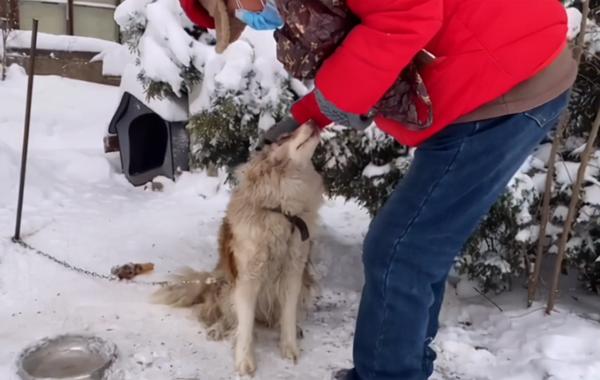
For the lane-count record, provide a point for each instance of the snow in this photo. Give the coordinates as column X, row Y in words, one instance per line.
column 539, row 180
column 81, row 209
column 542, row 153
column 528, row 235
column 163, row 28
column 131, row 9
column 592, row 37
column 247, row 66
column 592, row 195
column 574, row 16
column 114, row 60
column 246, row 62
column 266, row 121
column 566, row 173
column 169, row 109
column 162, row 21
column 373, row 170
column 522, row 345
column 560, row 213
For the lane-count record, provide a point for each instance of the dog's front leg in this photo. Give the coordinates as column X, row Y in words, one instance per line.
column 244, row 300
column 290, row 294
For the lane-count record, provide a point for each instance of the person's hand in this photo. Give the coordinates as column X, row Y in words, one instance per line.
column 284, row 127
column 301, row 112
column 307, row 108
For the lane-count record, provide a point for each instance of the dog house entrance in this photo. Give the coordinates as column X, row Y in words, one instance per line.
column 148, row 139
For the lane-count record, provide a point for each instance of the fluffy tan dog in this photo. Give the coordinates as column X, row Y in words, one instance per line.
column 264, row 248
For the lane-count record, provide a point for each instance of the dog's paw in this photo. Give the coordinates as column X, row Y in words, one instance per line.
column 215, row 333
column 290, row 351
column 246, row 366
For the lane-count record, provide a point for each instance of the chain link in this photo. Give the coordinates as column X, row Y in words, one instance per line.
column 97, row 275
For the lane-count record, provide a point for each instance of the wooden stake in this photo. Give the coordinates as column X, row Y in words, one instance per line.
column 579, row 47
column 535, row 276
column 564, row 237
column 70, row 22
column 545, row 216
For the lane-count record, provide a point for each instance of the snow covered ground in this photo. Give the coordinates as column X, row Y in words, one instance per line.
column 79, row 208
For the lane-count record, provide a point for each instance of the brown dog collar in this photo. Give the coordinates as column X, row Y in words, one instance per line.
column 296, row 221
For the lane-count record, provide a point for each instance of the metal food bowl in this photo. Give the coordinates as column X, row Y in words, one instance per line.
column 67, row 357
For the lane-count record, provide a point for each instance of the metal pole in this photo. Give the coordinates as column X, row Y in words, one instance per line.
column 32, row 54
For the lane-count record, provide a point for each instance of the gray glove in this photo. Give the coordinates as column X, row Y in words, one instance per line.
column 286, row 126
column 347, row 119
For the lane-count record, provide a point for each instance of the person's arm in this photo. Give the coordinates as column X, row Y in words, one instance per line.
column 391, row 33
column 357, row 75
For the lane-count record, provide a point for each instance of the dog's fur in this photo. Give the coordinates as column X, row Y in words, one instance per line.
column 263, row 270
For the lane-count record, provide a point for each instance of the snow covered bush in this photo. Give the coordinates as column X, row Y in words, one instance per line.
column 361, row 165
column 234, row 96
column 505, row 242
column 583, row 247
column 586, row 91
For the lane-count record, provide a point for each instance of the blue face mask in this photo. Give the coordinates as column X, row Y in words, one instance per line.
column 268, row 19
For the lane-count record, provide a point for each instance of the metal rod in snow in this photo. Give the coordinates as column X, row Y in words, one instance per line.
column 32, row 55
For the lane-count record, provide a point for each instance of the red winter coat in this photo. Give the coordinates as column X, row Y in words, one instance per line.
column 483, row 49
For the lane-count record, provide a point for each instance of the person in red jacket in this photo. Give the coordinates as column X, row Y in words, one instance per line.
column 495, row 84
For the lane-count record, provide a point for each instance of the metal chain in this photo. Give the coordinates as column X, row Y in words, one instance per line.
column 97, row 275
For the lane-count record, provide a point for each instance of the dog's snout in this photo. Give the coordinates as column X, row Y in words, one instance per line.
column 313, row 126
column 284, row 137
column 307, row 129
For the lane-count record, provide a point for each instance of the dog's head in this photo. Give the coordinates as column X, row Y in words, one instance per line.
column 298, row 146
column 283, row 171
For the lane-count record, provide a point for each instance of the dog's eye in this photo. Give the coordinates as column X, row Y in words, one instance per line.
column 283, row 138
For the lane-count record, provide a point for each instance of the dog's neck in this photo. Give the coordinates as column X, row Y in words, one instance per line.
column 296, row 222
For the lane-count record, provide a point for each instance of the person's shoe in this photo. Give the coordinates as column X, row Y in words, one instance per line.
column 343, row 374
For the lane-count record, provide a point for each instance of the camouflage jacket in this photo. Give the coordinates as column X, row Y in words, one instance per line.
column 314, row 28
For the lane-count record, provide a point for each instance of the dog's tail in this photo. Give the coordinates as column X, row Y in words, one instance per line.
column 206, row 291
column 188, row 288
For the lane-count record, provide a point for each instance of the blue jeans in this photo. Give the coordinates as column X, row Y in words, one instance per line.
column 413, row 241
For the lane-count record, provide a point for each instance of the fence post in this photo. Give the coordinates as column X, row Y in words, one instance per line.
column 69, row 18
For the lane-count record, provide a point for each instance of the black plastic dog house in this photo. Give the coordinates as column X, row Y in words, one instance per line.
column 149, row 146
